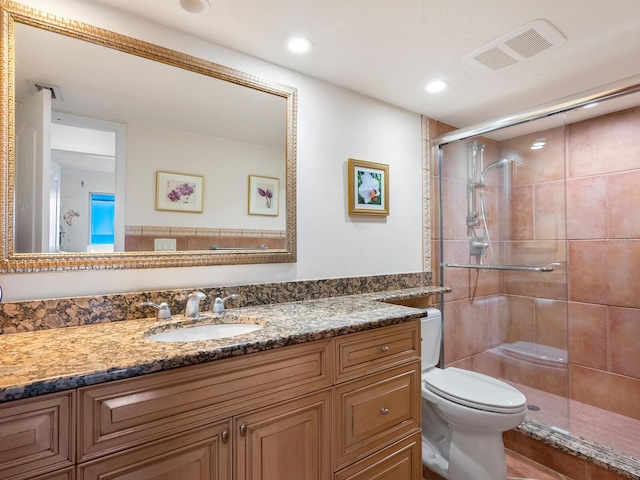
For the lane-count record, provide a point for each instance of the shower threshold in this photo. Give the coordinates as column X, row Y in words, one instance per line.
column 602, row 437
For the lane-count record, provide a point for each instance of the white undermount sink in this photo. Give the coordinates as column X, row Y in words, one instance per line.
column 205, row 332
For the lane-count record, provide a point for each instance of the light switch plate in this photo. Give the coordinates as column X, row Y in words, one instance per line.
column 164, row 244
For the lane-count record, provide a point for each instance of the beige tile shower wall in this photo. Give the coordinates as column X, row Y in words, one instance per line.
column 601, row 248
column 471, row 327
column 603, row 228
column 141, row 238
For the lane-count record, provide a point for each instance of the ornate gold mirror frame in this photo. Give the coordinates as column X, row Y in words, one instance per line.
column 12, row 12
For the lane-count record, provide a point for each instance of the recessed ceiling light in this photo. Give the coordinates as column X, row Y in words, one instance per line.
column 436, row 86
column 195, row 6
column 298, row 44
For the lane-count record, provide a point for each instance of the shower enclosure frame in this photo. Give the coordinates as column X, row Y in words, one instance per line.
column 614, row 90
column 627, row 86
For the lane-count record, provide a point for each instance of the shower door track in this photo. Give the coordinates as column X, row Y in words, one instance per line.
column 620, row 88
column 524, row 268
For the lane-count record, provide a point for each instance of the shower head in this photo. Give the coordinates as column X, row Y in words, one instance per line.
column 499, row 164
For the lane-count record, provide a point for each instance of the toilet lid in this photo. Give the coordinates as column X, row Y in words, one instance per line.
column 474, row 390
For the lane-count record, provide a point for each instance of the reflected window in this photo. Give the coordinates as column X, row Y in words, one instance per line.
column 102, row 211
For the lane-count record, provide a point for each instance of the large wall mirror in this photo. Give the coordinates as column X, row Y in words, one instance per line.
column 117, row 153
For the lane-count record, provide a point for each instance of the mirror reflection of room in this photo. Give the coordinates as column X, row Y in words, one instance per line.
column 90, row 142
column 86, row 204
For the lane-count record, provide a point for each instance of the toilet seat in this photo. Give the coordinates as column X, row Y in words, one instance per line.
column 474, row 390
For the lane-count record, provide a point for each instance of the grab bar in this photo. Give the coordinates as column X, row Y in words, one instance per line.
column 525, row 268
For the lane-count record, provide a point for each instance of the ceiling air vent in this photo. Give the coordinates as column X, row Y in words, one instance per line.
column 516, row 47
column 56, row 93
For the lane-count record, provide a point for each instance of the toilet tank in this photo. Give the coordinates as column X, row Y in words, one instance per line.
column 431, row 328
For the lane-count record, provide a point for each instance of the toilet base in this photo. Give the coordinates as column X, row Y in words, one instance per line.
column 472, row 456
column 432, row 458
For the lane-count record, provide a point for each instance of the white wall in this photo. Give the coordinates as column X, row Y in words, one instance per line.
column 225, row 165
column 334, row 124
column 75, row 188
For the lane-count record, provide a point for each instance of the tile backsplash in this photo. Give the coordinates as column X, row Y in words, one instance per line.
column 25, row 316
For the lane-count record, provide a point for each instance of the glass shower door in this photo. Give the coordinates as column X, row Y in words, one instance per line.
column 504, row 254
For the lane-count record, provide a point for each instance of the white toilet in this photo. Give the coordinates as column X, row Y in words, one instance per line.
column 463, row 414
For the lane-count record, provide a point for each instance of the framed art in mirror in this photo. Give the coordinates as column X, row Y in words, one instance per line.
column 179, row 192
column 264, row 195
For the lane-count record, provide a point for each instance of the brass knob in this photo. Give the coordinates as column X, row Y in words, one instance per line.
column 225, row 436
column 384, row 411
column 243, row 429
column 384, row 348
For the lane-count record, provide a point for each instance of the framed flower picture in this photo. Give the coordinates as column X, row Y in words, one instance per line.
column 179, row 192
column 264, row 195
column 368, row 188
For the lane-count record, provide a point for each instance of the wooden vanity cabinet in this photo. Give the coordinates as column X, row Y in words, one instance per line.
column 377, row 400
column 121, row 415
column 286, row 441
column 256, row 416
column 37, row 437
column 343, row 409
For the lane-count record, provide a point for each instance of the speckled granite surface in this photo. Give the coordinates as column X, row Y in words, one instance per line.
column 46, row 361
column 26, row 316
column 625, row 465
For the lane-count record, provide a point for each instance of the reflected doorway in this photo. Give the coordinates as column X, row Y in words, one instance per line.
column 90, row 156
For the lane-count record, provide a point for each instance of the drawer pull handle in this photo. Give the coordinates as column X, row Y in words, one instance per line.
column 243, row 429
column 384, row 411
column 384, row 348
column 225, row 436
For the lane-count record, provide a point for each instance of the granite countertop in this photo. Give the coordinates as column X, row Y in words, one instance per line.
column 46, row 361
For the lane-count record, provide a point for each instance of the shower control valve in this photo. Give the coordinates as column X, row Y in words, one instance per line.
column 478, row 246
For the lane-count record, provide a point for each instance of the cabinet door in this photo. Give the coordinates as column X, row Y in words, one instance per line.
column 36, row 435
column 202, row 454
column 290, row 441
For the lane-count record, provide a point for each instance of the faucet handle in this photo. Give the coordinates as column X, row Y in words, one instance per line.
column 218, row 303
column 162, row 309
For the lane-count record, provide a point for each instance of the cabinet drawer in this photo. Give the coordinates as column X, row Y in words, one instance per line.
column 119, row 415
column 204, row 453
column 36, row 435
column 400, row 461
column 374, row 350
column 66, row 474
column 376, row 411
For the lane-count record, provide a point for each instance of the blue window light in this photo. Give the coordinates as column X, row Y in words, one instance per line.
column 102, row 218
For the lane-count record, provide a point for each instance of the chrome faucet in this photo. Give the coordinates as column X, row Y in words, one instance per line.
column 162, row 309
column 193, row 304
column 218, row 303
